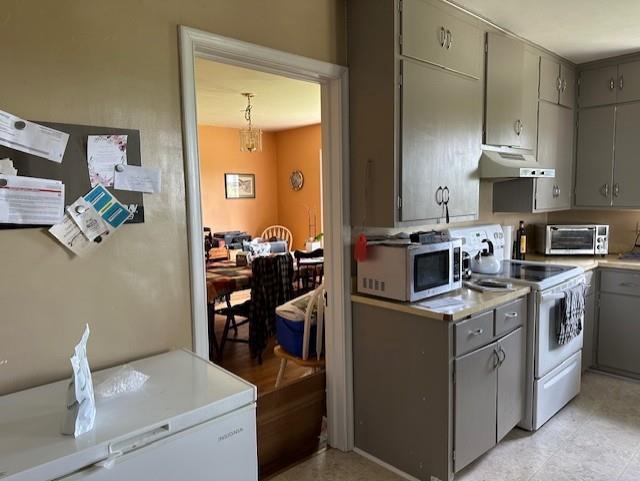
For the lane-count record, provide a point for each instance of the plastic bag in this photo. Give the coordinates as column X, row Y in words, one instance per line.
column 124, row 381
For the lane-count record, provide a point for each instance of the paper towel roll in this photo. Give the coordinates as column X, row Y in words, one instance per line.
column 508, row 241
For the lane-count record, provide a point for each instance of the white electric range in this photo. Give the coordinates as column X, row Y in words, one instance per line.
column 553, row 370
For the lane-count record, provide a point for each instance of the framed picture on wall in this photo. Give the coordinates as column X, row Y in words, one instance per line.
column 240, row 186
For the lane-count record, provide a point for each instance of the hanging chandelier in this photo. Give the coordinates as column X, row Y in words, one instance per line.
column 250, row 138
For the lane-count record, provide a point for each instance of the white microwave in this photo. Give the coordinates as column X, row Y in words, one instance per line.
column 411, row 272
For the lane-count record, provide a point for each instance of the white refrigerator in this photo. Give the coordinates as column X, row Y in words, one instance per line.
column 190, row 421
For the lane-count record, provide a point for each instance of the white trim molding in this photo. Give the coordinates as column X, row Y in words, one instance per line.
column 333, row 81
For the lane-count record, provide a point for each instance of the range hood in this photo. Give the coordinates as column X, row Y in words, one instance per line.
column 499, row 165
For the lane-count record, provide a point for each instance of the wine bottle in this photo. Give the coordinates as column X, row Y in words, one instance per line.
column 522, row 241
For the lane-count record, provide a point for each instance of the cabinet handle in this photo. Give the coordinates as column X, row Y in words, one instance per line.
column 443, row 36
column 564, row 85
column 449, row 39
column 621, row 82
column 604, row 190
column 517, row 126
column 496, row 360
column 628, row 284
column 511, row 315
column 439, row 199
column 559, row 86
column 477, row 332
column 616, row 189
column 504, row 356
column 556, row 191
column 612, row 83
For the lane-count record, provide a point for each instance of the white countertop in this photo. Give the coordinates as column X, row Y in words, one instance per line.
column 467, row 302
column 586, row 262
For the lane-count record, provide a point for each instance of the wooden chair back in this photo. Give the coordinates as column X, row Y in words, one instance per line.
column 279, row 232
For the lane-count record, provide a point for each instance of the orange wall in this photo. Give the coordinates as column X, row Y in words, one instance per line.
column 299, row 149
column 276, row 202
column 220, row 153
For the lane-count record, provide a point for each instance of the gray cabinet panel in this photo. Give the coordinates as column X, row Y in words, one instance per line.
column 626, row 173
column 594, row 161
column 620, row 282
column 474, row 332
column 529, row 126
column 475, row 405
column 433, row 35
column 629, row 81
column 511, row 380
column 510, row 316
column 567, row 86
column 598, row 86
column 555, row 150
column 589, row 331
column 619, row 332
column 441, row 125
column 549, row 80
column 505, row 63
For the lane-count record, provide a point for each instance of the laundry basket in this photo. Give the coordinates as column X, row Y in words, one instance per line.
column 290, row 324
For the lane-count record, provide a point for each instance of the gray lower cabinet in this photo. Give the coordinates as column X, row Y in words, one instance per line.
column 489, row 396
column 619, row 322
column 590, row 315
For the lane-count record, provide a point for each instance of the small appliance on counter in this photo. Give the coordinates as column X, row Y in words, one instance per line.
column 485, row 262
column 411, row 271
column 572, row 239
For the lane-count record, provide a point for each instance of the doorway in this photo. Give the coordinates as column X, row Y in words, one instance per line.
column 332, row 79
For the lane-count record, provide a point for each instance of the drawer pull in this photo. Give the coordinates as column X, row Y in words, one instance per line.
column 628, row 284
column 511, row 315
column 477, row 332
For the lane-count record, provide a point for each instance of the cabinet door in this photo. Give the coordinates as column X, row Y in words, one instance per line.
column 567, row 86
column 505, row 63
column 549, row 80
column 555, row 150
column 529, row 126
column 598, row 86
column 431, row 34
column 475, row 405
column 594, row 159
column 589, row 331
column 511, row 381
column 626, row 178
column 619, row 332
column 629, row 81
column 441, row 135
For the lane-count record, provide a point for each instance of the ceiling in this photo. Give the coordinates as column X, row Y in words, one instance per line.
column 579, row 30
column 280, row 102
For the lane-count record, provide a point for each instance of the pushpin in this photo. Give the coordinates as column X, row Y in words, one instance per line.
column 20, row 124
column 120, row 168
column 81, row 209
column 3, row 182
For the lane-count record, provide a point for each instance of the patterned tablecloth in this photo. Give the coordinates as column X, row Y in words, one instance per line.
column 224, row 277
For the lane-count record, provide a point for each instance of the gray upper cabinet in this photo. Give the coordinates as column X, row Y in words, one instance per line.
column 598, row 86
column 433, row 35
column 475, row 404
column 626, row 177
column 629, row 81
column 415, row 112
column 555, row 150
column 557, row 82
column 439, row 150
column 594, row 159
column 529, row 105
column 504, row 85
column 511, row 382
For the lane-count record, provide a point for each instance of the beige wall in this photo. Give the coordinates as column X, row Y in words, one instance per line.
column 115, row 63
column 219, row 154
column 299, row 149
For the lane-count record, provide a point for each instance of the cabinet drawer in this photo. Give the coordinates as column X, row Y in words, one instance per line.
column 617, row 282
column 431, row 34
column 510, row 316
column 473, row 333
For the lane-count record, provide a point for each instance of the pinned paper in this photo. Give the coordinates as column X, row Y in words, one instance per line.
column 31, row 201
column 87, row 218
column 32, row 138
column 70, row 236
column 110, row 209
column 137, row 179
column 7, row 168
column 104, row 153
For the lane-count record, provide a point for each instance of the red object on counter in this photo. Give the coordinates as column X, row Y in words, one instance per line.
column 361, row 248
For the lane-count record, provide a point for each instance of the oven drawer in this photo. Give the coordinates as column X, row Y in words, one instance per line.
column 473, row 333
column 510, row 316
column 619, row 282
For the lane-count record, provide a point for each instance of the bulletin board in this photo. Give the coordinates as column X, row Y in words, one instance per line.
column 74, row 171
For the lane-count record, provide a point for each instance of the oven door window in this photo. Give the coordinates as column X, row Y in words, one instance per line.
column 573, row 239
column 430, row 270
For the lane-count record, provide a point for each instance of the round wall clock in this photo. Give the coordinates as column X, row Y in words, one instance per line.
column 296, row 180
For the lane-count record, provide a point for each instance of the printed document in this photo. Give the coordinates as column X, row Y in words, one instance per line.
column 137, row 179
column 32, row 138
column 31, row 201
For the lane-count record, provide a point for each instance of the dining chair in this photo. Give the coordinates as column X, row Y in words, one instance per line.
column 317, row 361
column 310, row 273
column 280, row 232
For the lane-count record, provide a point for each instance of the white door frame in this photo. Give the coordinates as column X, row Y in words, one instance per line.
column 335, row 169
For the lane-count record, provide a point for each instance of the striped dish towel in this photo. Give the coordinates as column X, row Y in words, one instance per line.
column 569, row 324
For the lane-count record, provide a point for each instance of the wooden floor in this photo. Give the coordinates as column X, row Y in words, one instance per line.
column 236, row 358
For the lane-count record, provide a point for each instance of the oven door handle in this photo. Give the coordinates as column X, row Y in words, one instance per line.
column 555, row 296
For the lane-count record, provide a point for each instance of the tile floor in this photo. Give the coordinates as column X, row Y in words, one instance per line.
column 594, row 438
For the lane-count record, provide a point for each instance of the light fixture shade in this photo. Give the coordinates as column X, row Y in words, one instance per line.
column 251, row 140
